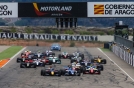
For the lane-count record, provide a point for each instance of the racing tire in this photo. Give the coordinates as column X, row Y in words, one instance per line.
column 78, row 73
column 102, row 68
column 81, row 69
column 63, row 72
column 71, row 61
column 21, row 65
column 59, row 73
column 33, row 65
column 41, row 73
column 84, row 70
column 104, row 61
column 59, row 56
column 50, row 62
column 18, row 60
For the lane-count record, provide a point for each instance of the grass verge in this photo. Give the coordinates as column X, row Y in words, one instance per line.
column 10, row 52
column 105, row 50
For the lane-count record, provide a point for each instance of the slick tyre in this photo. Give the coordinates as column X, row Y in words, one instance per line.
column 104, row 61
column 41, row 73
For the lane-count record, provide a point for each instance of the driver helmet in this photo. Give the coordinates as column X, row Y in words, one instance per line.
column 38, row 51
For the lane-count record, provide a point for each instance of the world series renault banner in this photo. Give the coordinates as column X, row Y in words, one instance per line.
column 110, row 9
column 8, row 10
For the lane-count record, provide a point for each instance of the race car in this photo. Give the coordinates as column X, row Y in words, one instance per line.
column 86, row 63
column 27, row 64
column 24, row 56
column 55, row 46
column 98, row 60
column 77, row 54
column 39, row 62
column 49, row 53
column 64, row 55
column 77, row 66
column 70, row 71
column 55, row 60
column 26, row 53
column 91, row 70
column 21, row 59
column 47, row 61
column 75, row 59
column 38, row 55
column 50, row 72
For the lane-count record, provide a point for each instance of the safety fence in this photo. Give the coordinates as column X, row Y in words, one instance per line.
column 123, row 54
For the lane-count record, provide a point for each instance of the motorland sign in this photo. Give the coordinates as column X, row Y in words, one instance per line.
column 59, row 9
column 110, row 9
column 8, row 10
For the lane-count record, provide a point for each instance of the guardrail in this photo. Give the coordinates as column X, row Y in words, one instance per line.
column 124, row 54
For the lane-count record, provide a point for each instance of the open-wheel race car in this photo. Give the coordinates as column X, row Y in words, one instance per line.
column 55, row 60
column 25, row 55
column 70, row 71
column 49, row 53
column 39, row 62
column 75, row 59
column 21, row 59
column 27, row 64
column 50, row 72
column 39, row 55
column 98, row 60
column 77, row 54
column 91, row 70
column 64, row 55
column 86, row 63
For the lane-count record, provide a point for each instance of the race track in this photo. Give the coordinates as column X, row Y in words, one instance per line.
column 12, row 76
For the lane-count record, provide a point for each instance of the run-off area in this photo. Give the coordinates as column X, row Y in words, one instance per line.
column 12, row 76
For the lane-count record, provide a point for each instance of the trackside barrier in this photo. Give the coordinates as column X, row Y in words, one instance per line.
column 123, row 54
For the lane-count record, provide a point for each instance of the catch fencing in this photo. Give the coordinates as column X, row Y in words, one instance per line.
column 124, row 54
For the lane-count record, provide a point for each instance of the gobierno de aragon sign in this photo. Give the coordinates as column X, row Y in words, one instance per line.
column 8, row 10
column 110, row 9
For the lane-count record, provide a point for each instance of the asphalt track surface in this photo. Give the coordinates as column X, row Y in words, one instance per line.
column 12, row 76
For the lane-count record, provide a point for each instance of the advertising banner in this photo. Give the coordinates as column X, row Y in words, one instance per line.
column 110, row 9
column 8, row 10
column 37, row 36
column 77, row 9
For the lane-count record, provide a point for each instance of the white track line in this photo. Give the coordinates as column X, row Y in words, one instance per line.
column 116, row 64
column 14, row 56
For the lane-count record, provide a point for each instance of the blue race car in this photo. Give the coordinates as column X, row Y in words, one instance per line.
column 70, row 71
column 56, row 46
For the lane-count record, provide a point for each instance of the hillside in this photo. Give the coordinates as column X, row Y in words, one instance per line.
column 99, row 22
